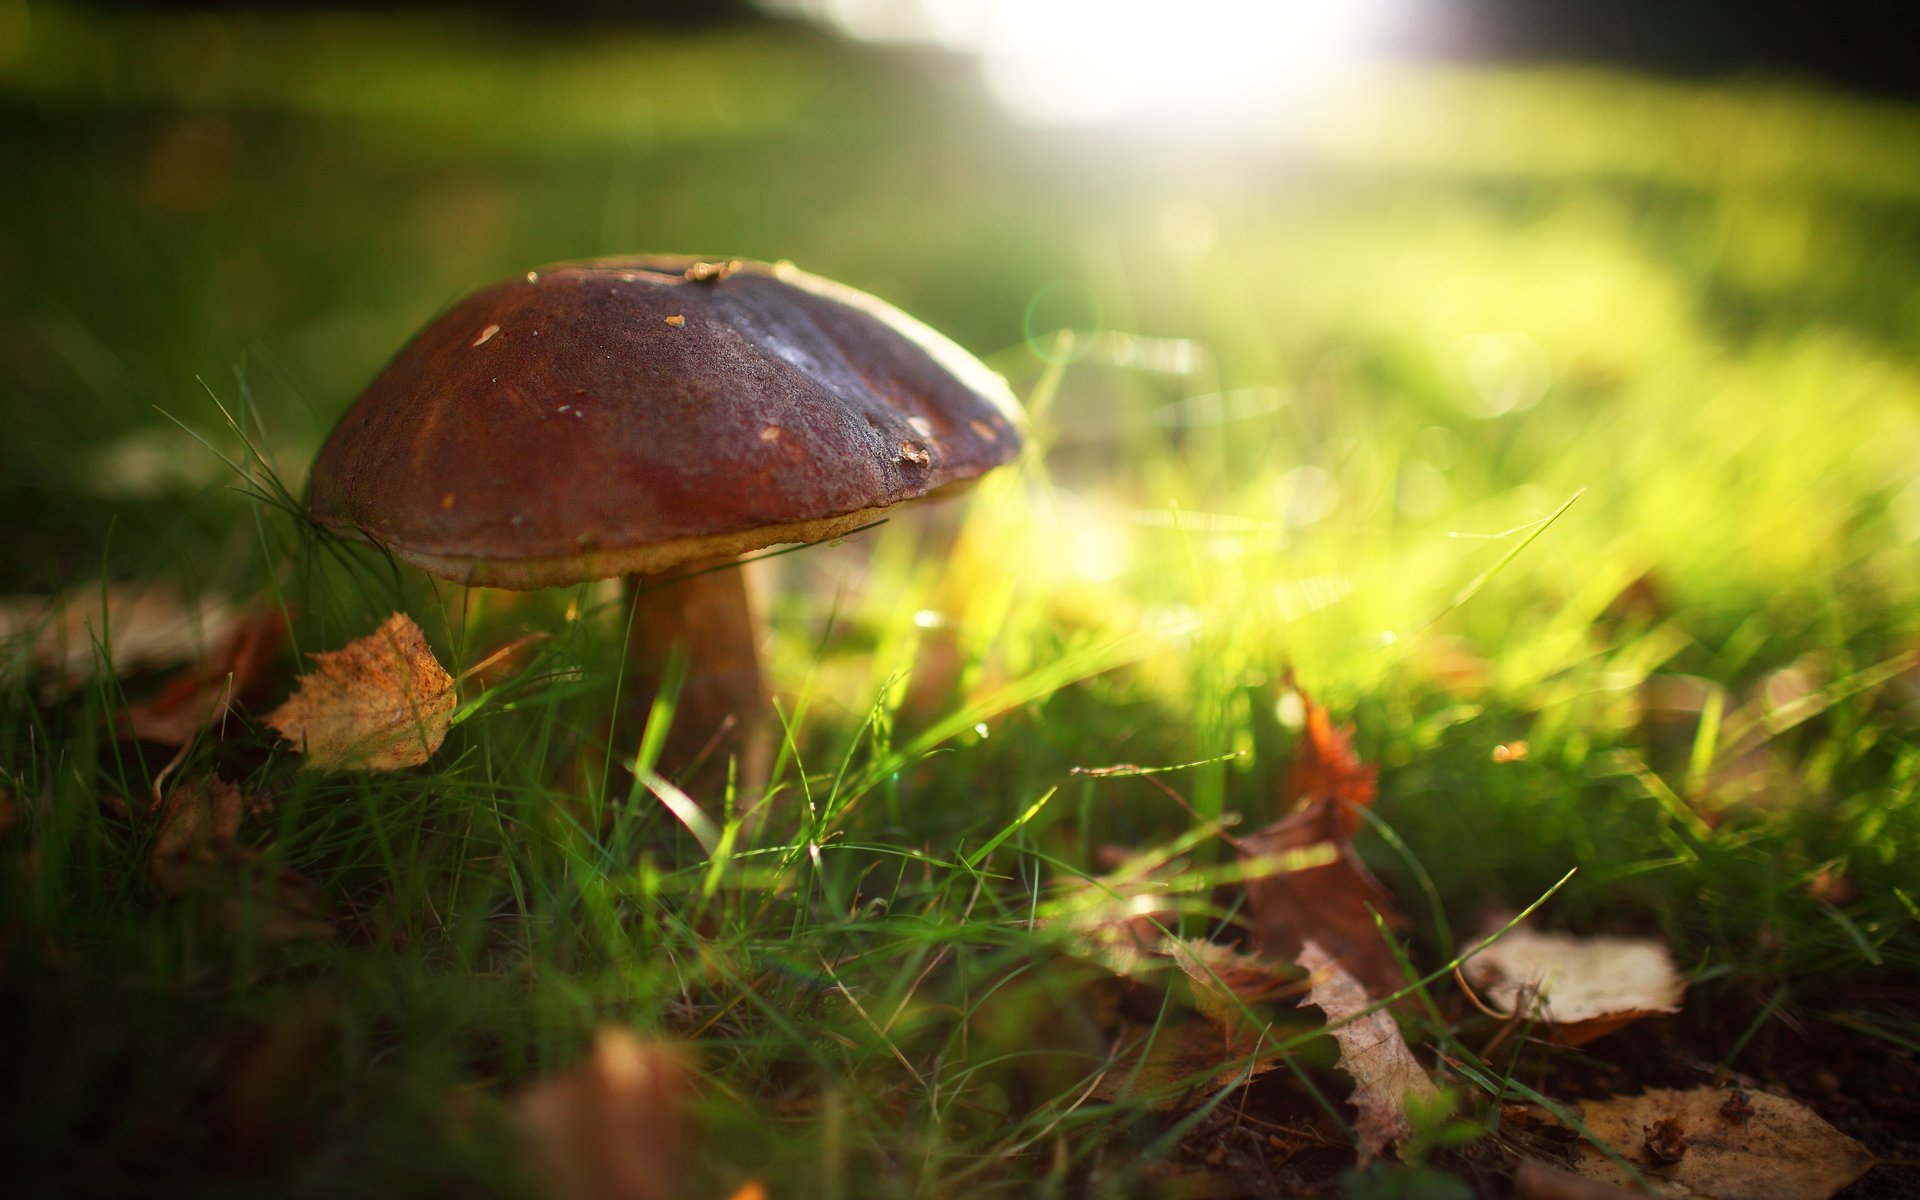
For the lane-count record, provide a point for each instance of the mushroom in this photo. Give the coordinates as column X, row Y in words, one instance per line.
column 654, row 418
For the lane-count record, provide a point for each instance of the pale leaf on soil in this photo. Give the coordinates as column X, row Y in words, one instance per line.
column 1587, row 987
column 613, row 1128
column 381, row 703
column 1384, row 1071
column 1779, row 1151
column 142, row 627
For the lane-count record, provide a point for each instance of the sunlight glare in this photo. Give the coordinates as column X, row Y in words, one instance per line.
column 1090, row 62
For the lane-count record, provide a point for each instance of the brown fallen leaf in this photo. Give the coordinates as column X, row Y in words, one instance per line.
column 1384, row 1071
column 200, row 696
column 138, row 627
column 1325, row 767
column 1172, row 1058
column 1319, row 889
column 1225, row 983
column 614, row 1127
column 1311, row 884
column 197, row 850
column 1179, row 1063
column 199, row 824
column 1782, row 1151
column 1587, row 987
column 380, row 703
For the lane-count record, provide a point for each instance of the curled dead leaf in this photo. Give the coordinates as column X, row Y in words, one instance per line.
column 613, row 1128
column 1168, row 1057
column 380, row 703
column 1780, row 1151
column 1586, row 987
column 1385, row 1072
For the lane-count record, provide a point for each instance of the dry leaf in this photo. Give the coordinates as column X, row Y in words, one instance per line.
column 1318, row 888
column 1179, row 1063
column 1781, row 1151
column 1173, row 1060
column 142, row 627
column 1225, row 982
column 201, row 696
column 197, row 837
column 1326, row 769
column 612, row 1128
column 1587, row 987
column 197, row 849
column 1384, row 1071
column 381, row 703
column 1331, row 899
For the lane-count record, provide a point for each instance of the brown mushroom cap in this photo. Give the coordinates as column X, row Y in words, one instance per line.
column 627, row 415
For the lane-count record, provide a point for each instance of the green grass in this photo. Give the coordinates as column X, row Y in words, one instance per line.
column 1425, row 327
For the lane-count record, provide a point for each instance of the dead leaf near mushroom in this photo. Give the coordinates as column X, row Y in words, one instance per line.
column 1385, row 1073
column 1326, row 768
column 133, row 628
column 200, row 697
column 613, row 1128
column 1230, row 1038
column 380, row 703
column 1309, row 882
column 197, row 851
column 197, row 835
column 1585, row 987
column 1778, row 1151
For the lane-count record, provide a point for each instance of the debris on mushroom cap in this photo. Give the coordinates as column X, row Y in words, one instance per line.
column 671, row 370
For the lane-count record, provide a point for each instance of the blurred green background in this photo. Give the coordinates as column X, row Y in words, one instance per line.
column 1449, row 282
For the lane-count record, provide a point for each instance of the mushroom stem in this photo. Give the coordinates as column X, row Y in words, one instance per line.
column 722, row 713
